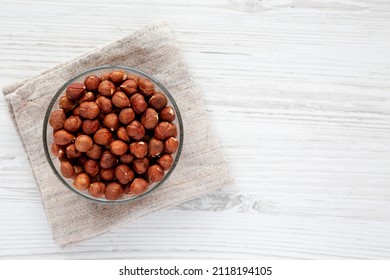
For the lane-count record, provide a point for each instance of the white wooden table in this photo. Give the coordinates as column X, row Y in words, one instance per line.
column 299, row 93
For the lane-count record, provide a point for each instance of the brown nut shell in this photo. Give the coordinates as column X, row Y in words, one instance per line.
column 111, row 121
column 155, row 173
column 75, row 90
column 149, row 118
column 155, row 147
column 138, row 103
column 95, row 152
column 167, row 114
column 129, row 87
column 165, row 161
column 78, row 170
column 164, row 130
column 136, row 130
column 124, row 174
column 113, row 191
column 117, row 76
column 106, row 88
column 170, row 145
column 89, row 110
column 58, row 151
column 126, row 158
column 121, row 133
column 158, row 101
column 90, row 126
column 104, row 104
column 108, row 160
column 102, row 137
column 63, row 137
column 87, row 97
column 82, row 181
column 139, row 149
column 92, row 82
column 140, row 165
column 120, row 100
column 66, row 103
column 83, row 143
column 145, row 86
column 107, row 174
column 73, row 123
column 138, row 186
column 57, row 119
column 126, row 116
column 67, row 169
column 118, row 147
column 97, row 189
column 91, row 167
column 71, row 151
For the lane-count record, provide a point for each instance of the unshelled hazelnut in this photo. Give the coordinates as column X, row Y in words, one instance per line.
column 106, row 88
column 126, row 158
column 108, row 160
column 145, row 86
column 118, row 147
column 167, row 114
column 120, row 100
column 104, row 77
column 124, row 174
column 135, row 130
column 73, row 123
column 140, row 165
column 113, row 191
column 121, row 133
column 149, row 118
column 95, row 152
column 165, row 161
column 155, row 173
column 57, row 151
column 67, row 169
column 164, row 130
column 111, row 121
column 90, row 126
column 126, row 116
column 91, row 167
column 87, row 97
column 89, row 110
column 138, row 186
column 97, row 189
column 155, row 147
column 102, row 137
column 76, row 111
column 104, row 104
column 75, row 90
column 81, row 182
column 92, row 82
column 170, row 145
column 138, row 103
column 63, row 137
column 158, row 101
column 78, row 170
column 83, row 143
column 117, row 76
column 107, row 174
column 57, row 119
column 66, row 103
column 71, row 151
column 129, row 87
column 139, row 149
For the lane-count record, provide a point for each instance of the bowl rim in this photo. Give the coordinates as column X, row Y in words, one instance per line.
column 86, row 72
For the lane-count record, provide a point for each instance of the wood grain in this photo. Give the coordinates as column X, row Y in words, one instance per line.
column 298, row 92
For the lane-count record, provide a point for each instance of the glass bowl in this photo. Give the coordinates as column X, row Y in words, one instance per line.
column 48, row 132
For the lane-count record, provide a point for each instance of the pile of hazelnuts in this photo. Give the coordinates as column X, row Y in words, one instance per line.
column 114, row 134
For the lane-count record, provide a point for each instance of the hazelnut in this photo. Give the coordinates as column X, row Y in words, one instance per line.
column 81, row 182
column 57, row 119
column 132, row 77
column 89, row 110
column 91, row 167
column 165, row 161
column 63, row 137
column 78, row 169
column 158, row 101
column 73, row 123
column 106, row 88
column 95, row 152
column 108, row 160
column 67, row 169
column 81, row 160
column 139, row 149
column 140, row 165
column 120, row 100
column 126, row 158
column 90, row 126
column 138, row 103
column 75, row 90
column 145, row 86
column 102, row 137
column 87, row 97
column 167, row 114
column 113, row 191
column 129, row 87
column 149, row 118
column 124, row 174
column 57, row 151
column 121, row 133
column 92, row 82
column 126, row 116
column 138, row 186
column 164, row 130
column 83, row 143
column 97, row 189
column 66, row 103
column 72, row 152
column 104, row 104
column 170, row 145
column 155, row 147
column 104, row 77
column 107, row 174
column 146, row 137
column 111, row 121
column 155, row 173
column 117, row 76
column 118, row 147
column 76, row 111
column 135, row 130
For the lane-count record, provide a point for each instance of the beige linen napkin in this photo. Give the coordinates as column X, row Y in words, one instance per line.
column 201, row 168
